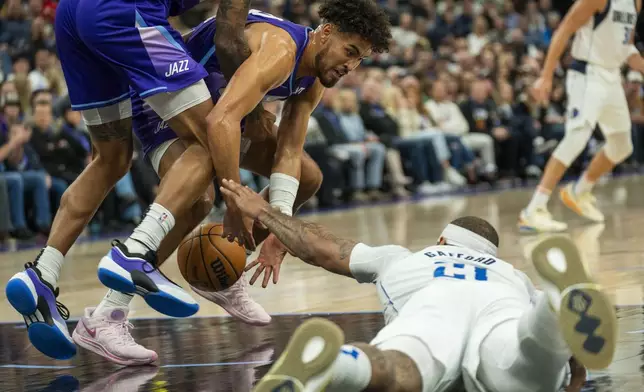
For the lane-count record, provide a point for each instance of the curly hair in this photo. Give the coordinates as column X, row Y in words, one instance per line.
column 362, row 17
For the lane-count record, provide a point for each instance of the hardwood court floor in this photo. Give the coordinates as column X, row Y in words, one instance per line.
column 215, row 353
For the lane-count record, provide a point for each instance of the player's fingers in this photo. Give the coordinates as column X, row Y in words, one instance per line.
column 258, row 271
column 251, row 265
column 276, row 273
column 267, row 276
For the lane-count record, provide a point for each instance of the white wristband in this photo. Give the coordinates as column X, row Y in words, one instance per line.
column 282, row 192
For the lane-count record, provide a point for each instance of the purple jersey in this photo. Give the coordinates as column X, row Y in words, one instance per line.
column 152, row 131
column 178, row 7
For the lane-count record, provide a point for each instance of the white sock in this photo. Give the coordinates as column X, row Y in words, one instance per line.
column 114, row 299
column 50, row 263
column 150, row 232
column 539, row 199
column 583, row 185
column 351, row 370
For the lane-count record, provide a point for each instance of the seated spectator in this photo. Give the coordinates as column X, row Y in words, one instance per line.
column 478, row 38
column 419, row 155
column 418, row 128
column 366, row 153
column 479, row 113
column 63, row 154
column 11, row 111
column 516, row 116
column 25, row 176
column 331, row 166
column 448, row 118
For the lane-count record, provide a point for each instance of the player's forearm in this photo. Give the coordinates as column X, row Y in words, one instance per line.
column 556, row 50
column 311, row 242
column 232, row 48
column 231, row 44
column 224, row 138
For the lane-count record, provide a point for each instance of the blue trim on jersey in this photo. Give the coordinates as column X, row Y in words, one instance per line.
column 388, row 297
column 108, row 102
column 297, row 60
column 208, row 55
column 166, row 34
column 601, row 16
column 152, row 90
column 139, row 19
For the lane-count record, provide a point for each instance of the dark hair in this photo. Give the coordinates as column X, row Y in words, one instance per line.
column 36, row 93
column 478, row 226
column 362, row 17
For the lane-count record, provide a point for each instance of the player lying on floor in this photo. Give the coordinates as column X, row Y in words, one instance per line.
column 454, row 313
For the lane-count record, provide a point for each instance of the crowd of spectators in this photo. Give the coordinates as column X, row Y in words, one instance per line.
column 447, row 107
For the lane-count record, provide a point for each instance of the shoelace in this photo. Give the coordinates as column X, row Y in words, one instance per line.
column 122, row 330
column 62, row 309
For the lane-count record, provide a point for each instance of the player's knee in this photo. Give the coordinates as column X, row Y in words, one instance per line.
column 618, row 147
column 115, row 163
column 310, row 178
column 572, row 145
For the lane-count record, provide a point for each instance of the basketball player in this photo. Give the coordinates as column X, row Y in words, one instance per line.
column 278, row 155
column 454, row 311
column 604, row 31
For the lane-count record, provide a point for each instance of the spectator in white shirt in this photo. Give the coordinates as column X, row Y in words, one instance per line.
column 478, row 38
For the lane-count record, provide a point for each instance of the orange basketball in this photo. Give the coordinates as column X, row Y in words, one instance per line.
column 208, row 261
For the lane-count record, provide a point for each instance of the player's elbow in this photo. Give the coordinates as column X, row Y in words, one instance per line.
column 221, row 125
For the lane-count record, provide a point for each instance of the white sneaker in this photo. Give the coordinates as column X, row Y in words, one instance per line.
column 587, row 317
column 108, row 335
column 584, row 204
column 237, row 302
column 307, row 361
column 454, row 177
column 539, row 221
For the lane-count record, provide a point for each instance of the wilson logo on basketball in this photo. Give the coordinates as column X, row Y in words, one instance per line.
column 220, row 272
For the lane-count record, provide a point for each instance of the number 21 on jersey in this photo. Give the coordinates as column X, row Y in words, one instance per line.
column 459, row 271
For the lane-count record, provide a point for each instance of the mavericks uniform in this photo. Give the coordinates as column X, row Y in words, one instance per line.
column 454, row 310
column 107, row 46
column 594, row 83
column 156, row 136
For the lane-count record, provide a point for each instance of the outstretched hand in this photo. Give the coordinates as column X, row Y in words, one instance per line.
column 247, row 201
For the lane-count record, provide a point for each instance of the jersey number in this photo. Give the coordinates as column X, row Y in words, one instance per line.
column 264, row 14
column 459, row 271
column 628, row 31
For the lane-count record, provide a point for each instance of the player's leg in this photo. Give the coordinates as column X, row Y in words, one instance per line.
column 337, row 367
column 615, row 122
column 171, row 84
column 259, row 160
column 103, row 97
column 584, row 104
column 573, row 318
column 105, row 330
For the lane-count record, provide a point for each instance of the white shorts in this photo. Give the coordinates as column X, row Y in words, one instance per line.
column 166, row 105
column 597, row 97
column 444, row 325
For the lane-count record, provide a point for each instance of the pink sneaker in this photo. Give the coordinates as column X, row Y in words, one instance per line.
column 236, row 301
column 108, row 335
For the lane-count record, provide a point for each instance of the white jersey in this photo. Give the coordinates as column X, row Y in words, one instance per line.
column 399, row 274
column 605, row 39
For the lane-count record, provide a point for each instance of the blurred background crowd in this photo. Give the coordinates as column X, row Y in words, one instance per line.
column 447, row 108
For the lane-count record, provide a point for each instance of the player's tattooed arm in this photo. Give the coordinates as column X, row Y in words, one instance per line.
column 312, row 243
column 231, row 44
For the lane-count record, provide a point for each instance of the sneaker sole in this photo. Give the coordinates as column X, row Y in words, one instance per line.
column 117, row 278
column 99, row 349
column 231, row 310
column 21, row 294
column 587, row 318
column 566, row 199
column 290, row 373
column 48, row 339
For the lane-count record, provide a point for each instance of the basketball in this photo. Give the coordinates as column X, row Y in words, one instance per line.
column 208, row 261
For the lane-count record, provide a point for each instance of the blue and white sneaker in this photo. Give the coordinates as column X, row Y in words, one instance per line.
column 45, row 317
column 134, row 273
